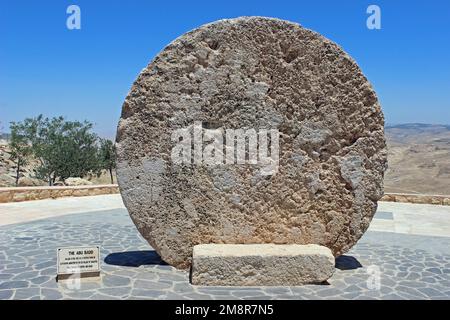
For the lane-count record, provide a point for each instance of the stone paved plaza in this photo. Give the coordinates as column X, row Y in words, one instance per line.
column 407, row 245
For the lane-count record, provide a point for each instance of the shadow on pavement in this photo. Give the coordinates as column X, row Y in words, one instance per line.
column 134, row 258
column 347, row 263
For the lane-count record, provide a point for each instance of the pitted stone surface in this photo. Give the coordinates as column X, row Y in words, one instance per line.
column 253, row 73
column 261, row 264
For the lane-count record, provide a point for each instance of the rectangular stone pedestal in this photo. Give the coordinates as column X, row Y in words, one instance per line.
column 260, row 264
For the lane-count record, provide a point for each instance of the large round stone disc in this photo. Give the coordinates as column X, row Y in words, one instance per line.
column 258, row 74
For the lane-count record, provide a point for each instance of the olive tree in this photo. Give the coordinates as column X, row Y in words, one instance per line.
column 107, row 156
column 20, row 148
column 62, row 148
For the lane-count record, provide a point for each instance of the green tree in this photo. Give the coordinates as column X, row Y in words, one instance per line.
column 63, row 148
column 78, row 152
column 107, row 156
column 20, row 147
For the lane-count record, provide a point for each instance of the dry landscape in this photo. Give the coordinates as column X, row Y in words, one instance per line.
column 419, row 161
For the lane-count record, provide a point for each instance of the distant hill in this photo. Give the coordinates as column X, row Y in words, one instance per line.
column 417, row 126
column 419, row 158
column 405, row 132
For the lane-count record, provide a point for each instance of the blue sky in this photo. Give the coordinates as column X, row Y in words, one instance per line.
column 86, row 74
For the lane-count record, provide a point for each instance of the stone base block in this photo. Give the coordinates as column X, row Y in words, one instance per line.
column 260, row 264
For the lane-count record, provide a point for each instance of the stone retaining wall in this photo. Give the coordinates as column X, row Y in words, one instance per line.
column 417, row 198
column 39, row 193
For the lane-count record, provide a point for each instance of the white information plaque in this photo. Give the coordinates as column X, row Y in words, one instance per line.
column 82, row 261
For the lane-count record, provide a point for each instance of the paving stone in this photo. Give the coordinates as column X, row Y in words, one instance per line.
column 428, row 274
column 387, row 282
column 79, row 294
column 338, row 283
column 174, row 277
column 51, row 294
column 214, row 292
column 39, row 279
column 99, row 296
column 44, row 265
column 183, row 287
column 373, row 293
column 264, row 297
column 6, row 276
column 144, row 284
column 402, row 274
column 331, row 292
column 386, row 290
column 352, row 283
column 412, row 284
column 22, row 294
column 173, row 296
column 430, row 292
column 50, row 284
column 365, row 297
column 429, row 280
column 48, row 271
column 149, row 294
column 14, row 284
column 352, row 280
column 393, row 296
column 441, row 298
column 246, row 293
column 277, row 290
column 15, row 265
column 116, row 292
column 115, row 281
column 26, row 275
column 228, row 298
column 17, row 271
column 434, row 270
column 353, row 288
column 197, row 296
column 132, row 273
column 88, row 284
column 351, row 295
column 410, row 291
column 300, row 291
column 6, row 294
column 413, row 276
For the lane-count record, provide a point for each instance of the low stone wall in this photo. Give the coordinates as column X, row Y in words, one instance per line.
column 38, row 193
column 417, row 198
